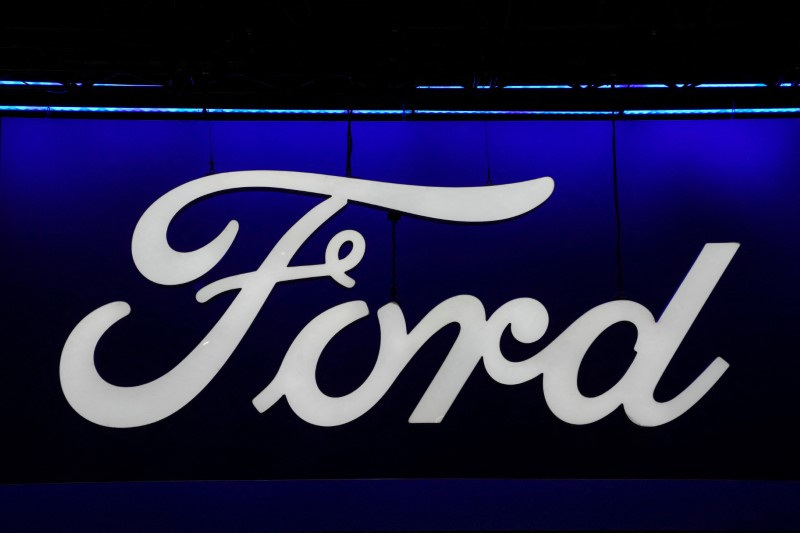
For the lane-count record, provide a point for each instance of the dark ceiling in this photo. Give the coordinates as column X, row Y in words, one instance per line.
column 375, row 53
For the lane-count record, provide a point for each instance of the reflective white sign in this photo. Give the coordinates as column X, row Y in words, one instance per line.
column 478, row 341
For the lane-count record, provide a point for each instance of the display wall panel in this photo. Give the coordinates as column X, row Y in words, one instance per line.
column 73, row 191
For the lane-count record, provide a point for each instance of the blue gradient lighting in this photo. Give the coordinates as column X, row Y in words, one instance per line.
column 395, row 112
column 22, row 83
column 503, row 112
column 537, row 87
column 31, row 83
column 636, row 86
column 731, row 85
column 130, row 85
column 230, row 111
column 770, row 110
column 727, row 111
column 379, row 112
column 439, row 87
column 645, row 86
column 69, row 109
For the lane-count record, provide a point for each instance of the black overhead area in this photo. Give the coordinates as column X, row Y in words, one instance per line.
column 375, row 54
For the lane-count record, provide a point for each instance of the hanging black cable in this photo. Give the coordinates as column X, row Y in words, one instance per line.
column 488, row 160
column 620, row 284
column 349, row 166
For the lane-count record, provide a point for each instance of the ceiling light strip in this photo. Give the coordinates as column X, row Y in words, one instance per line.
column 422, row 112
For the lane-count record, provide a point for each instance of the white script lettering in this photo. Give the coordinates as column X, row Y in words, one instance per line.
column 478, row 340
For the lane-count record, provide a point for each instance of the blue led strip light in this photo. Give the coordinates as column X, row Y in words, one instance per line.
column 537, row 87
column 439, row 87
column 730, row 85
column 643, row 86
column 279, row 111
column 22, row 83
column 68, row 109
column 130, row 85
column 423, row 112
column 727, row 111
column 618, row 86
column 497, row 112
column 635, row 86
column 31, row 83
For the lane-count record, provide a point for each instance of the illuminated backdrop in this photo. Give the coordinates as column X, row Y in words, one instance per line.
column 73, row 190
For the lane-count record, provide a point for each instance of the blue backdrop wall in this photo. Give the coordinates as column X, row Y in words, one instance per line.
column 73, row 190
